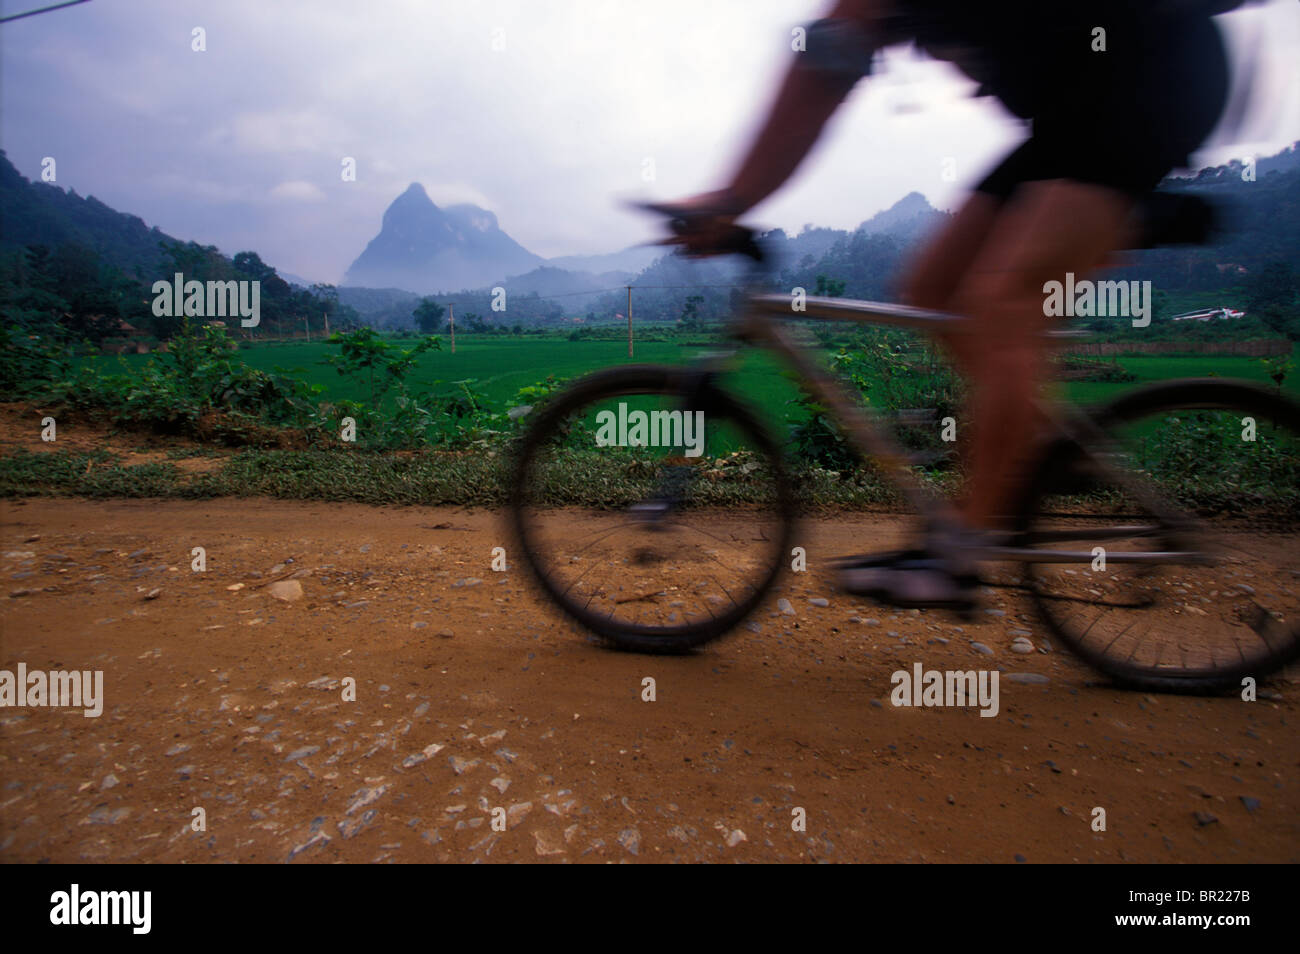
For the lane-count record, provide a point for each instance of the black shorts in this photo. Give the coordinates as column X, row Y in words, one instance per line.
column 1122, row 118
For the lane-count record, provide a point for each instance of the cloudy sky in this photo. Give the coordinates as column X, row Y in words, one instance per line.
column 547, row 112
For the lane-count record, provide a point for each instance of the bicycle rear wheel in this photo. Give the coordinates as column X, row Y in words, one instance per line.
column 1209, row 467
column 657, row 539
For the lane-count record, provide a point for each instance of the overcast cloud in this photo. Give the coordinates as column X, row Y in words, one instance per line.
column 241, row 146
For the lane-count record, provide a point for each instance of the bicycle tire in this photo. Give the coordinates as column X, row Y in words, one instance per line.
column 641, row 380
column 1058, row 473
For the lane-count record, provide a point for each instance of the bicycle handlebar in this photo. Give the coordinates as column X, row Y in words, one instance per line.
column 735, row 240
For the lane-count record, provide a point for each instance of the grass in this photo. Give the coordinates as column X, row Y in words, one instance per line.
column 590, row 478
column 502, row 365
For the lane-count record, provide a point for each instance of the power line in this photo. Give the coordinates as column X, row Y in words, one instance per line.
column 32, row 13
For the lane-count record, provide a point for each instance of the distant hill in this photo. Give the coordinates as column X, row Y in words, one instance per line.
column 631, row 260
column 38, row 213
column 1260, row 225
column 425, row 249
column 910, row 218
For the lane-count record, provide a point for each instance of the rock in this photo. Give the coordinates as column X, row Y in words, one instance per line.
column 468, row 581
column 366, row 796
column 18, row 594
column 177, row 749
column 547, row 843
column 819, row 601
column 1023, row 648
column 418, row 624
column 1020, row 859
column 446, row 633
column 995, row 612
column 784, row 606
column 460, row 766
column 1204, row 818
column 870, row 621
column 290, row 591
column 518, row 812
column 428, row 752
column 735, row 837
column 1251, row 803
column 630, row 839
column 106, row 816
column 1027, row 678
column 500, row 784
column 110, row 780
column 320, row 838
column 350, row 827
column 154, row 593
column 302, row 753
column 981, row 648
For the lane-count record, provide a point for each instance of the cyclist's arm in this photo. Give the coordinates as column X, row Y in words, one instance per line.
column 807, row 98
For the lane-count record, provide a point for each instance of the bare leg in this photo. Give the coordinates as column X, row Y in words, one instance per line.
column 1044, row 231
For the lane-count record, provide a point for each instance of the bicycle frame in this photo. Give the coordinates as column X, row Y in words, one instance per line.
column 756, row 325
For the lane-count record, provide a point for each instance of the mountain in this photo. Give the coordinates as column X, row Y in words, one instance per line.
column 632, row 259
column 37, row 213
column 910, row 217
column 425, row 249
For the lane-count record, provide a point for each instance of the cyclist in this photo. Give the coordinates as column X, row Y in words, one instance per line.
column 1117, row 94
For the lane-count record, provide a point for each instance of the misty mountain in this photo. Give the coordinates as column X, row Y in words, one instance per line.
column 39, row 213
column 425, row 249
column 630, row 260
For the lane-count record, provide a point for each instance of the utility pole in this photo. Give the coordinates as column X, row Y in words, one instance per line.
column 327, row 324
column 307, row 324
column 451, row 311
column 629, row 321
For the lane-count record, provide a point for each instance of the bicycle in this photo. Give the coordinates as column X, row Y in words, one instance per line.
column 1143, row 590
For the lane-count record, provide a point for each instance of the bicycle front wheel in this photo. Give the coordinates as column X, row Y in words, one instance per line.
column 651, row 507
column 1187, row 513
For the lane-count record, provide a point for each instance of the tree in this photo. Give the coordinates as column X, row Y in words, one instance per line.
column 829, row 287
column 428, row 315
column 1271, row 297
column 365, row 349
column 690, row 317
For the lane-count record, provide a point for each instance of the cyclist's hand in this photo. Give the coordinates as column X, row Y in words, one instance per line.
column 702, row 225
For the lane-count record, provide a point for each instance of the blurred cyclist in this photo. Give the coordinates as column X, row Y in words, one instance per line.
column 1117, row 94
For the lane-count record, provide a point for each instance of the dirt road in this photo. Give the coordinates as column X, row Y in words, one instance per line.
column 476, row 708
